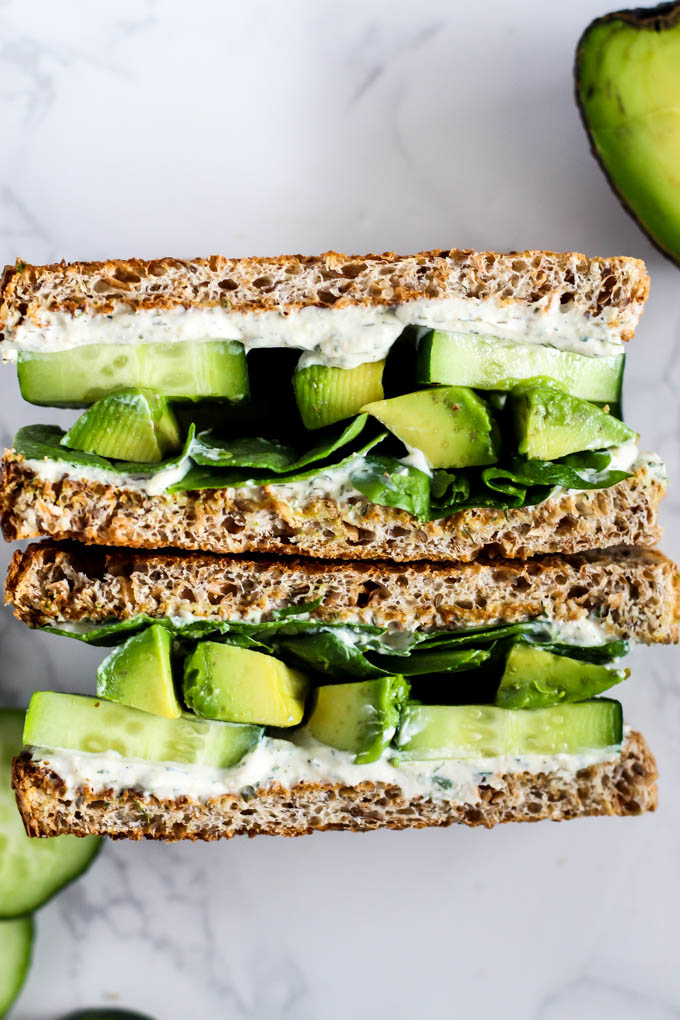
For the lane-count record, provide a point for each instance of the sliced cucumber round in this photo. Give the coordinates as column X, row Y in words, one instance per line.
column 31, row 870
column 16, row 946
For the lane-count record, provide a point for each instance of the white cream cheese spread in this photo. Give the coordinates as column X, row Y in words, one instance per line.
column 345, row 337
column 285, row 763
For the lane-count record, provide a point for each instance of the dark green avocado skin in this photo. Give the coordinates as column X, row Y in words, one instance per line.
column 105, row 1014
column 655, row 19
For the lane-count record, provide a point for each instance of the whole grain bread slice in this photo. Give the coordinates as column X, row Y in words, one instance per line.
column 269, row 519
column 608, row 292
column 624, row 786
column 633, row 593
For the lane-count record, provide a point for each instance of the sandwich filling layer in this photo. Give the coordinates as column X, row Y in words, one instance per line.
column 284, row 764
column 430, row 384
column 334, row 484
column 341, row 337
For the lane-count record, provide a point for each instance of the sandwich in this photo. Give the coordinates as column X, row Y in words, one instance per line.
column 438, row 406
column 285, row 696
column 367, row 540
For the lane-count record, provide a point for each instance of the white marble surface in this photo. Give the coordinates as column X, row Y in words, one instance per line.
column 257, row 127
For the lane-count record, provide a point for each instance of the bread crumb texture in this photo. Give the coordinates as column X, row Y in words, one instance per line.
column 609, row 291
column 633, row 593
column 626, row 786
column 266, row 520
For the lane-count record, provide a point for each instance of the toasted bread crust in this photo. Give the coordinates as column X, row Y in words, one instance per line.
column 233, row 521
column 610, row 290
column 626, row 786
column 634, row 593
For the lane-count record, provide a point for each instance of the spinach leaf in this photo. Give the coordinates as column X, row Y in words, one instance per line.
column 421, row 662
column 388, row 482
column 538, row 629
column 212, row 478
column 265, row 454
column 37, row 442
column 300, row 610
column 523, row 483
column 40, row 442
column 602, row 655
column 326, row 652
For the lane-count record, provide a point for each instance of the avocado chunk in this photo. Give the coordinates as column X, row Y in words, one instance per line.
column 139, row 674
column 325, row 395
column 187, row 370
column 133, row 425
column 76, row 723
column 358, row 717
column 628, row 90
column 438, row 732
column 239, row 685
column 551, row 423
column 487, row 363
column 535, row 678
column 451, row 425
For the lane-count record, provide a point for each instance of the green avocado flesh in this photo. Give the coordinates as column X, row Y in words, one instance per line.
column 550, row 424
column 451, row 426
column 132, row 425
column 139, row 674
column 239, row 685
column 16, row 948
column 31, row 870
column 190, row 370
column 77, row 723
column 534, row 678
column 628, row 89
column 484, row 731
column 358, row 717
column 325, row 395
column 490, row 364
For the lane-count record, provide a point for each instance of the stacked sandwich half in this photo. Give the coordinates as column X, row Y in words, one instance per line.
column 367, row 539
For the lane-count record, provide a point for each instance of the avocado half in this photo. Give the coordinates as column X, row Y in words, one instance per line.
column 628, row 91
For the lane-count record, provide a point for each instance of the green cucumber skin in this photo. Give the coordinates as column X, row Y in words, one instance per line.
column 469, row 361
column 15, row 900
column 447, row 723
column 96, row 725
column 100, row 377
column 22, row 931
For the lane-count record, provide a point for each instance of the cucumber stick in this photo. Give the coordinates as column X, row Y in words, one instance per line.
column 75, row 723
column 16, row 945
column 190, row 370
column 487, row 363
column 31, row 870
column 486, row 731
